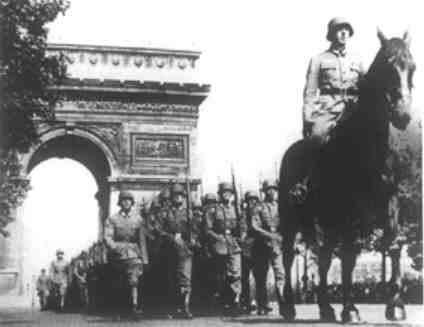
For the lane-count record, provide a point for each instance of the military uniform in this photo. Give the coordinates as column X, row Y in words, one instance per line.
column 267, row 248
column 80, row 280
column 331, row 89
column 223, row 230
column 175, row 229
column 200, row 282
column 58, row 275
column 124, row 234
column 330, row 97
column 125, row 237
column 247, row 262
column 42, row 287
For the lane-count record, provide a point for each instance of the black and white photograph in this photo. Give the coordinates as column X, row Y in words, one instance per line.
column 211, row 163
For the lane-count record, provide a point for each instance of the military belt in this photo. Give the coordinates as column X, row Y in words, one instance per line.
column 342, row 92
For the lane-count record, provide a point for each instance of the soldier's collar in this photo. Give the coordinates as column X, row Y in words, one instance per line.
column 339, row 52
column 125, row 214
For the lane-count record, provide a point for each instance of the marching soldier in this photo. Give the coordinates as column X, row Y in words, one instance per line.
column 80, row 279
column 175, row 229
column 209, row 201
column 43, row 284
column 58, row 275
column 330, row 95
column 200, row 294
column 267, row 248
column 124, row 235
column 250, row 199
column 223, row 229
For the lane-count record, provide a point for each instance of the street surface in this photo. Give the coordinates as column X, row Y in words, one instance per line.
column 307, row 315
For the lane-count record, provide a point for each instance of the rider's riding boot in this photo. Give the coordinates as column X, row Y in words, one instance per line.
column 186, row 305
column 299, row 191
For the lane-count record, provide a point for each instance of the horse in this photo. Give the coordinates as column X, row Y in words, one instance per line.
column 341, row 210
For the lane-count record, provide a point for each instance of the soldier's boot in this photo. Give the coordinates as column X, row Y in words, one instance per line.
column 186, row 305
column 236, row 308
column 280, row 299
column 135, row 305
column 299, row 191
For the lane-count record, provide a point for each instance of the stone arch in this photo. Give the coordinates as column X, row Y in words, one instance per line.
column 31, row 159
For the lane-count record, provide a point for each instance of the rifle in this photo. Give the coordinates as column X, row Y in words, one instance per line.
column 188, row 206
column 236, row 198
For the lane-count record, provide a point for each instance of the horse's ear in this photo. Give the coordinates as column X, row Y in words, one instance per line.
column 407, row 38
column 381, row 36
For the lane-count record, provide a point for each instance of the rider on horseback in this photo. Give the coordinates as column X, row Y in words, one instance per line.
column 330, row 94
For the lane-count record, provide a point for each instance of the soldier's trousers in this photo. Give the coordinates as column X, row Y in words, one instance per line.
column 179, row 271
column 262, row 261
column 246, row 267
column 43, row 295
column 228, row 275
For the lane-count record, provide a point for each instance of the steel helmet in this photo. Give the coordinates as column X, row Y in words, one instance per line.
column 224, row 186
column 125, row 195
column 251, row 194
column 177, row 189
column 267, row 184
column 336, row 23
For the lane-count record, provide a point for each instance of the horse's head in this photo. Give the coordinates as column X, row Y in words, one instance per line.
column 396, row 69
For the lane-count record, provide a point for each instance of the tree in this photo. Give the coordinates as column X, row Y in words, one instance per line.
column 26, row 74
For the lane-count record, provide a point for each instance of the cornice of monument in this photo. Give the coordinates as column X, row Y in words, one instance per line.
column 121, row 49
column 86, row 61
column 136, row 72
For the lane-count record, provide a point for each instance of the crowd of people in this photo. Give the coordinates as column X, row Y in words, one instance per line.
column 169, row 252
column 165, row 255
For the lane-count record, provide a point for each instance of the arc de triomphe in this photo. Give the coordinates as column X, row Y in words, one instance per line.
column 130, row 116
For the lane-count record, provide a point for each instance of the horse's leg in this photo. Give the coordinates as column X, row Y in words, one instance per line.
column 349, row 254
column 287, row 309
column 325, row 251
column 395, row 307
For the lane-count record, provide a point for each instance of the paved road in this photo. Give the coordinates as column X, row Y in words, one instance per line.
column 307, row 316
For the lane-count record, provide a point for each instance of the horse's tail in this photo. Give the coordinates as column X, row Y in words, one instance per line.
column 295, row 166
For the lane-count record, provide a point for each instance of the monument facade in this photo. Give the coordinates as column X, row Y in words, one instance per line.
column 130, row 115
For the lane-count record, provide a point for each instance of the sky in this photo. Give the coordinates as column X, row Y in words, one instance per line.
column 254, row 55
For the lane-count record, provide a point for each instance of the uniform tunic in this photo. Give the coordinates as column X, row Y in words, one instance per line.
column 59, row 275
column 247, row 262
column 42, row 287
column 173, row 220
column 222, row 229
column 331, row 89
column 266, row 249
column 124, row 234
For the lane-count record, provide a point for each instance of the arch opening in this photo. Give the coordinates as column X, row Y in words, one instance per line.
column 60, row 212
column 74, row 147
column 60, row 150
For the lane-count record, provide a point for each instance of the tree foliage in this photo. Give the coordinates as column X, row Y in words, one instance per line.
column 26, row 73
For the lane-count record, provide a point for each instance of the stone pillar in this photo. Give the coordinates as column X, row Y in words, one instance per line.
column 103, row 200
column 11, row 255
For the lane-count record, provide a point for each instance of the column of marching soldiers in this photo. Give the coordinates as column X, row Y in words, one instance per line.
column 175, row 256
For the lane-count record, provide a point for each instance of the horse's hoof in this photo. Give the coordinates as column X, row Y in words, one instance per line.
column 327, row 314
column 351, row 316
column 287, row 312
column 395, row 313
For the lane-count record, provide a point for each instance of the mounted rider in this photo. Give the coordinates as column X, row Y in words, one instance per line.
column 331, row 91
